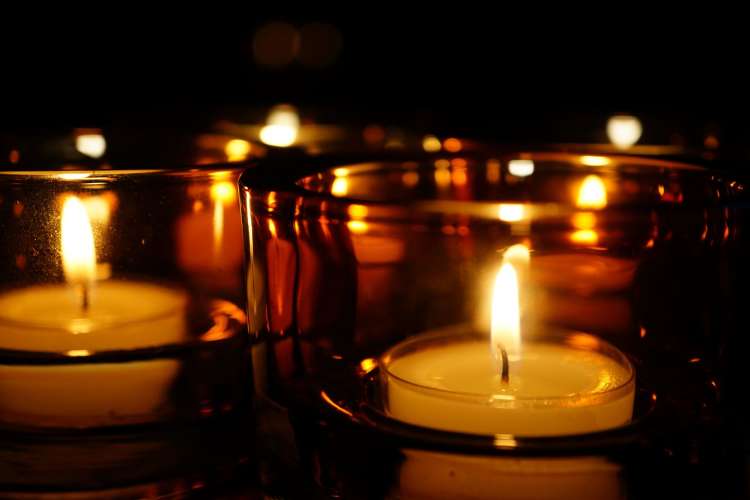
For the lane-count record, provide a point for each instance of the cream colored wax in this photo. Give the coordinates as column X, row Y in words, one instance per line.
column 122, row 315
column 554, row 390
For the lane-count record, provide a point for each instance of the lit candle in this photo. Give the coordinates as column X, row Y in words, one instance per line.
column 81, row 319
column 550, row 386
column 554, row 386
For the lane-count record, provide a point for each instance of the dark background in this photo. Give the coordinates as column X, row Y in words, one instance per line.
column 501, row 75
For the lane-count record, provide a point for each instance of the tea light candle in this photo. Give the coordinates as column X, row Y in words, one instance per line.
column 548, row 387
column 80, row 319
column 555, row 386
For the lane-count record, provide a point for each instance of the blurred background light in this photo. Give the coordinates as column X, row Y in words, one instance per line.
column 91, row 144
column 624, row 130
column 319, row 45
column 276, row 44
column 282, row 126
column 521, row 168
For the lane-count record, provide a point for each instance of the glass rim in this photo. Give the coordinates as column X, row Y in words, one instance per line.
column 597, row 345
column 80, row 173
column 284, row 179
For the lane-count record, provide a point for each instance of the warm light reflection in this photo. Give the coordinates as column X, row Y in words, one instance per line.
column 592, row 193
column 357, row 226
column 595, row 161
column 624, row 130
column 521, row 168
column 493, row 171
column 237, row 149
column 97, row 208
column 282, row 127
column 77, row 241
column 506, row 317
column 410, row 179
column 584, row 237
column 91, row 144
column 459, row 177
column 519, row 255
column 358, row 211
column 511, row 212
column 78, row 353
column 222, row 193
column 431, row 144
column 452, row 145
column 583, row 220
column 367, row 365
column 442, row 177
column 74, row 176
column 340, row 186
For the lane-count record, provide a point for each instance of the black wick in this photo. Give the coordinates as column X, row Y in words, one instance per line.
column 505, row 369
column 85, row 298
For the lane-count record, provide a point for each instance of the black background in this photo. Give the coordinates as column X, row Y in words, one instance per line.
column 537, row 76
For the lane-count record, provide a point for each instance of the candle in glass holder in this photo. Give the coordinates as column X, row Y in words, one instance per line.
column 79, row 319
column 557, row 385
column 550, row 386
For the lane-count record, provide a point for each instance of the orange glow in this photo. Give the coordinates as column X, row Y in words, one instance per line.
column 77, row 240
column 592, row 193
column 511, row 212
column 237, row 149
column 493, row 171
column 373, row 134
column 340, row 186
column 328, row 400
column 358, row 211
column 282, row 127
column 410, row 179
column 459, row 177
column 223, row 192
column 452, row 145
column 357, row 226
column 506, row 317
column 595, row 161
column 584, row 237
column 443, row 177
column 272, row 228
column 367, row 365
column 431, row 144
column 584, row 220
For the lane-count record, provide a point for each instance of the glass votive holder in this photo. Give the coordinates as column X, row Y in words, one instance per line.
column 119, row 301
column 500, row 303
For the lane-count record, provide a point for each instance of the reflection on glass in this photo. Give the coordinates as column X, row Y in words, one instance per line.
column 521, row 168
column 282, row 127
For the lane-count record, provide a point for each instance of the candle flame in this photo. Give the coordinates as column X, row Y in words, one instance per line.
column 78, row 253
column 592, row 193
column 506, row 316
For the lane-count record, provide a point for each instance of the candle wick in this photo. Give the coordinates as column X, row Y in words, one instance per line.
column 85, row 298
column 505, row 369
